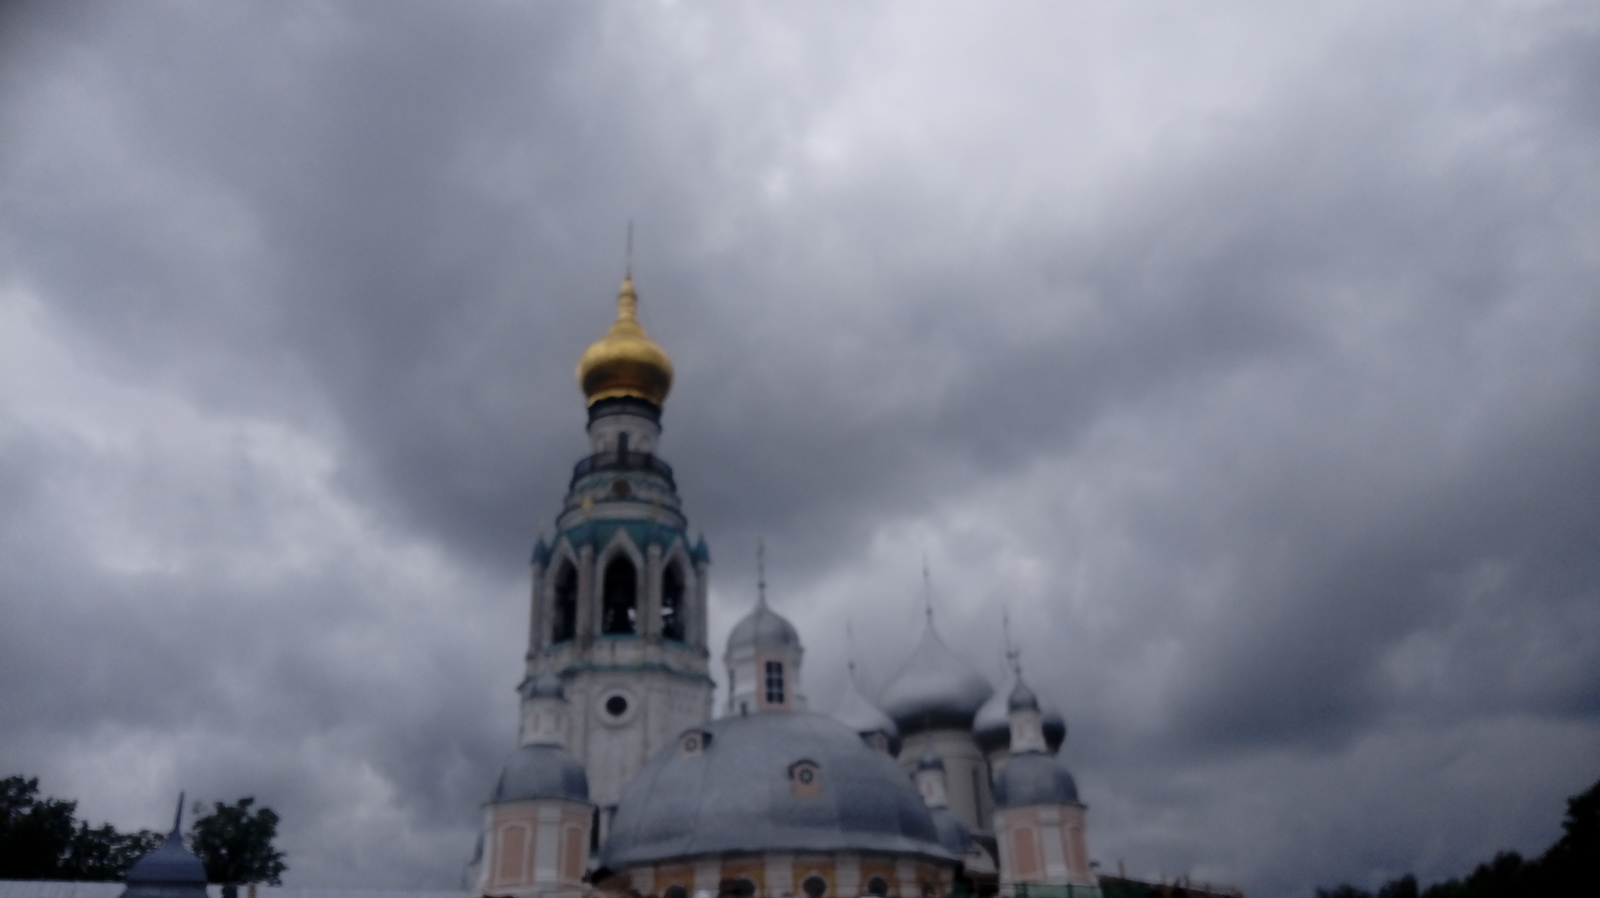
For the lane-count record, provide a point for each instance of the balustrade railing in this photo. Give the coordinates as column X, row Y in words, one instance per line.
column 623, row 461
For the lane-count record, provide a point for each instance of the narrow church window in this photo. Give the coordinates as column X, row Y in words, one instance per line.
column 672, row 624
column 675, row 892
column 564, row 610
column 774, row 682
column 877, row 885
column 619, row 606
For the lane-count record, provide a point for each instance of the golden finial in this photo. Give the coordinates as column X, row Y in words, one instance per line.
column 625, row 362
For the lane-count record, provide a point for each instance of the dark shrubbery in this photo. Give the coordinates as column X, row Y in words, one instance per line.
column 1570, row 867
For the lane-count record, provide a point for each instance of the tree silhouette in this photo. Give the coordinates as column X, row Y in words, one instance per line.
column 235, row 843
column 40, row 839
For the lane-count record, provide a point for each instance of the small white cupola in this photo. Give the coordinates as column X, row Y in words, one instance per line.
column 763, row 657
column 1027, row 724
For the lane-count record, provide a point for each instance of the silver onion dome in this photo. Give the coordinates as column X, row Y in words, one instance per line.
column 991, row 728
column 769, row 782
column 858, row 713
column 1034, row 778
column 936, row 688
column 541, row 771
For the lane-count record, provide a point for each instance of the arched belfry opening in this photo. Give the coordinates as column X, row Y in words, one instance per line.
column 672, row 610
column 619, row 601
column 564, row 605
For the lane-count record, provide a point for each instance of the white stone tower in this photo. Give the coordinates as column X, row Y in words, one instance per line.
column 619, row 593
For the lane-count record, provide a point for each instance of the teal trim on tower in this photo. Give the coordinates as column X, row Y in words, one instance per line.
column 643, row 533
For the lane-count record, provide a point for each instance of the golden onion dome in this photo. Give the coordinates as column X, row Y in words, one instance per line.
column 625, row 362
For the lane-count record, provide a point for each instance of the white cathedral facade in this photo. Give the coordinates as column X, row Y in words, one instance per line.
column 625, row 780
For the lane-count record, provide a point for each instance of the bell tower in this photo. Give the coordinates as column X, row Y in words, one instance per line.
column 619, row 593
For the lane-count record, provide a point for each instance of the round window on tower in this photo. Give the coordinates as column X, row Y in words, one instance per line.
column 616, row 707
column 814, row 887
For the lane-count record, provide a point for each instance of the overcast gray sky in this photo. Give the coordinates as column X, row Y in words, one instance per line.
column 1249, row 352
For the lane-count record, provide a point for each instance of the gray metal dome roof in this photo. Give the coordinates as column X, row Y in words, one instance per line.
column 1031, row 778
column 953, row 834
column 762, row 628
column 935, row 688
column 170, row 871
column 991, row 728
column 738, row 790
column 541, row 771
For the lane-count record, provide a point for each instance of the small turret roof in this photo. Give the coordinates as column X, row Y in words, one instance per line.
column 1034, row 778
column 762, row 628
column 170, row 871
column 541, row 771
column 1022, row 698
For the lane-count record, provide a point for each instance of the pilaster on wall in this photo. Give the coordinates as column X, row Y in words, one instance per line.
column 586, row 596
column 905, row 874
column 847, row 870
column 698, row 623
column 780, row 873
column 650, row 627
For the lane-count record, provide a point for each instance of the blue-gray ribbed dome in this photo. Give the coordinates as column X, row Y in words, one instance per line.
column 542, row 771
column 1034, row 778
column 738, row 791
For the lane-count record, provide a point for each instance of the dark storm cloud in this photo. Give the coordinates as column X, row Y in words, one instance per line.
column 1248, row 356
